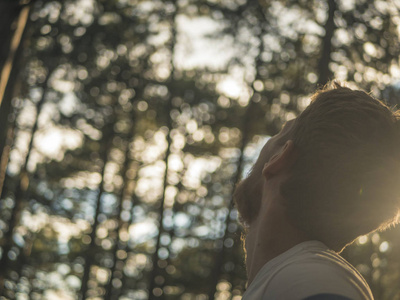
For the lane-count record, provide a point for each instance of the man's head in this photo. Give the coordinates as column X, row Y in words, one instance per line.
column 344, row 181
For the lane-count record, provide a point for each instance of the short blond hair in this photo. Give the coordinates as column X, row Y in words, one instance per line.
column 345, row 182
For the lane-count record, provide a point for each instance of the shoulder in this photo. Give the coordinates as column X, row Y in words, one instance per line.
column 323, row 273
column 309, row 270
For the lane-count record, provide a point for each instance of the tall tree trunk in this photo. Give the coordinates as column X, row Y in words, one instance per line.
column 155, row 257
column 9, row 14
column 156, row 270
column 120, row 222
column 123, row 245
column 323, row 65
column 20, row 191
column 89, row 258
column 13, row 20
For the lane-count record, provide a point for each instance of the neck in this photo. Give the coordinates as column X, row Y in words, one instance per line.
column 268, row 237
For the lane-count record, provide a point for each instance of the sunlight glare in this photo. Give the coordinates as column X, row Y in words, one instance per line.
column 54, row 141
column 197, row 168
column 200, row 46
column 143, row 231
column 230, row 87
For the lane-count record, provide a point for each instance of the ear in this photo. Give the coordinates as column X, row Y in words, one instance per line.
column 283, row 160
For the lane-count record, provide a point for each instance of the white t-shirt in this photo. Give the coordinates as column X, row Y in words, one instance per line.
column 307, row 269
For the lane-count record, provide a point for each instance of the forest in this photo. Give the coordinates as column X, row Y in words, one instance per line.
column 125, row 125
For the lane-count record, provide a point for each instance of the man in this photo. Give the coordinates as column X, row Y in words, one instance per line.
column 328, row 177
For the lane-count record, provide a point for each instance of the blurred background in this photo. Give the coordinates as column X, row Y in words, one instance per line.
column 125, row 125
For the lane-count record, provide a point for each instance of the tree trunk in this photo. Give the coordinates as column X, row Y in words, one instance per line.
column 20, row 192
column 156, row 270
column 13, row 19
column 120, row 222
column 323, row 65
column 89, row 257
column 9, row 12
